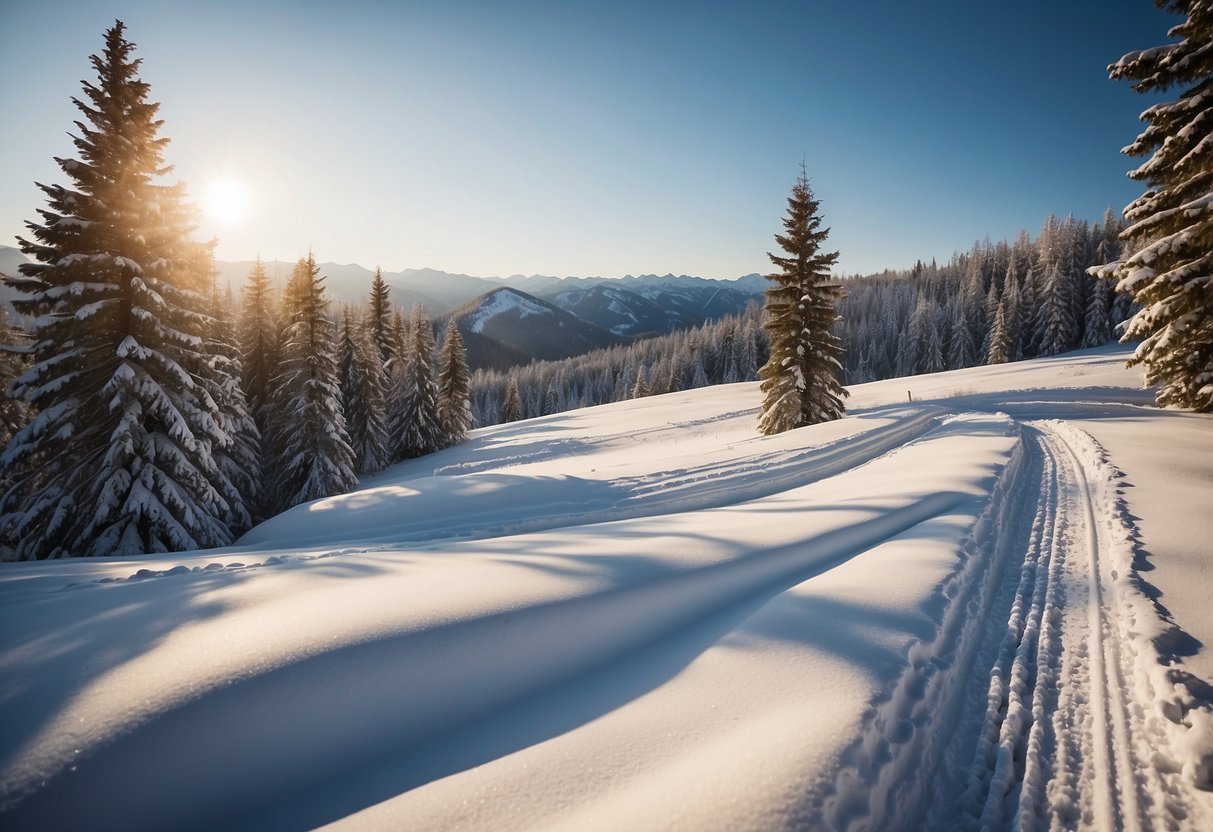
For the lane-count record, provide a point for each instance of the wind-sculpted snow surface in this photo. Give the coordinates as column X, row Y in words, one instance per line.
column 925, row 615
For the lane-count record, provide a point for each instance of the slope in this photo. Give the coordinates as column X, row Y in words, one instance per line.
column 933, row 612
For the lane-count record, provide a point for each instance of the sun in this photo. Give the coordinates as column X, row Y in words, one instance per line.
column 227, row 200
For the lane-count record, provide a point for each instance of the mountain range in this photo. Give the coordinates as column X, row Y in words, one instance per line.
column 508, row 321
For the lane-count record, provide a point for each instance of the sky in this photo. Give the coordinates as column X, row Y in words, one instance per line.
column 612, row 138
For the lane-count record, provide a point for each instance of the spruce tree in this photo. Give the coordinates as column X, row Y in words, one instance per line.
column 1169, row 241
column 1097, row 328
column 415, row 429
column 1000, row 348
column 511, row 403
column 239, row 459
column 258, row 335
column 801, row 380
column 259, row 358
column 381, row 317
column 120, row 457
column 454, row 389
column 312, row 457
column 642, row 384
column 363, row 397
column 1055, row 327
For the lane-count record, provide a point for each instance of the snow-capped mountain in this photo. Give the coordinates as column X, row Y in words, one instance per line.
column 506, row 327
column 619, row 310
column 595, row 311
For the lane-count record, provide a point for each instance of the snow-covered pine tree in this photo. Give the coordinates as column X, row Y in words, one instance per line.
column 925, row 338
column 1054, row 322
column 801, row 379
column 1097, row 327
column 381, row 317
column 259, row 357
column 642, row 384
column 363, row 396
column 1013, row 315
column 119, row 457
column 511, row 403
column 312, row 457
column 415, row 428
column 454, row 389
column 239, row 459
column 1169, row 241
column 1000, row 349
column 989, row 308
column 258, row 337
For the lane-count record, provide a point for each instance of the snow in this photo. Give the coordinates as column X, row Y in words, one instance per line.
column 500, row 302
column 937, row 612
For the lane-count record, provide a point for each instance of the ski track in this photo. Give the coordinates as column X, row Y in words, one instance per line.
column 1063, row 739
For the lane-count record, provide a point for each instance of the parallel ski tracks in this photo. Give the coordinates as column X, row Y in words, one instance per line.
column 1062, row 744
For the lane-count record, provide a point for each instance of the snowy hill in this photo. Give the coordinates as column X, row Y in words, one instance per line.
column 981, row 597
column 506, row 327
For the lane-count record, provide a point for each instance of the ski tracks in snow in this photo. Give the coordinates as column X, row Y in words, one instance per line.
column 1069, row 737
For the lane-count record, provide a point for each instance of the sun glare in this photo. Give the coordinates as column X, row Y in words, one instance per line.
column 227, row 200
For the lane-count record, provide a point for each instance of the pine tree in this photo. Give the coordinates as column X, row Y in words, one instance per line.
column 1169, row 270
column 925, row 339
column 312, row 457
column 801, row 380
column 454, row 389
column 511, row 404
column 1013, row 315
column 642, row 384
column 381, row 317
column 1000, row 350
column 119, row 458
column 962, row 352
column 363, row 397
column 415, row 428
column 1055, row 326
column 258, row 343
column 1097, row 329
column 238, row 459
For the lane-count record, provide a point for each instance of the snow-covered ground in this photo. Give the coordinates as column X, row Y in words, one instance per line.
column 981, row 600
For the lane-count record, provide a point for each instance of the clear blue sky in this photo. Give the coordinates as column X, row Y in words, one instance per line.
column 602, row 138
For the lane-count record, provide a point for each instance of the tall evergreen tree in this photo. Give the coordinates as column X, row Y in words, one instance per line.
column 454, row 389
column 259, row 358
column 511, row 403
column 363, row 397
column 239, row 459
column 381, row 317
column 312, row 457
column 119, row 459
column 1169, row 267
column 801, row 381
column 415, row 428
column 1097, row 328
column 1055, row 327
column 1000, row 350
column 258, row 335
